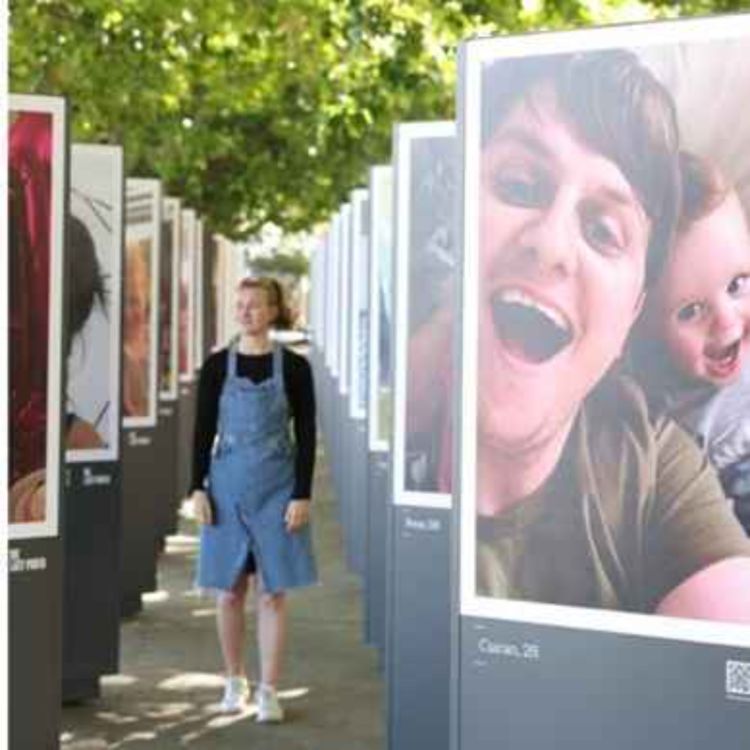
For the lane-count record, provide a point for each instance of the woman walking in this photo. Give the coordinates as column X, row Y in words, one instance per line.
column 251, row 488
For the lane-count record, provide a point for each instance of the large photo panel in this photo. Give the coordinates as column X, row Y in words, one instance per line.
column 332, row 297
column 169, row 299
column 319, row 289
column 37, row 206
column 332, row 300
column 425, row 274
column 91, row 343
column 141, row 302
column 216, row 246
column 199, row 291
column 358, row 286
column 344, row 310
column 605, row 330
column 380, row 398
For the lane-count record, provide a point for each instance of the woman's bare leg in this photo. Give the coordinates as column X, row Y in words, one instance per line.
column 271, row 635
column 230, row 622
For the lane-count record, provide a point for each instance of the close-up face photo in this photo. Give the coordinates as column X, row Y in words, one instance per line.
column 137, row 295
column 701, row 306
column 562, row 241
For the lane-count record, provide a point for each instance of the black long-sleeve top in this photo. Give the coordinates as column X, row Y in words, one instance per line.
column 298, row 385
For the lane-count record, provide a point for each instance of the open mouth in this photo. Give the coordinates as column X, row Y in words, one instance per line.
column 723, row 358
column 528, row 329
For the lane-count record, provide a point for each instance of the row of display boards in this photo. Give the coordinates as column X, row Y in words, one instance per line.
column 546, row 560
column 117, row 293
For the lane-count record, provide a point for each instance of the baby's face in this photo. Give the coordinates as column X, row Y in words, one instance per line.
column 703, row 297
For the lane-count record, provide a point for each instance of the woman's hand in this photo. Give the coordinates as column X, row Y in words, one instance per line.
column 297, row 514
column 202, row 507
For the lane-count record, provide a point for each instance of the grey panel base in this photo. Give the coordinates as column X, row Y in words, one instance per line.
column 165, row 480
column 343, row 478
column 530, row 686
column 358, row 488
column 378, row 498
column 77, row 690
column 419, row 629
column 139, row 531
column 352, row 467
column 34, row 644
column 91, row 575
column 184, row 445
column 339, row 441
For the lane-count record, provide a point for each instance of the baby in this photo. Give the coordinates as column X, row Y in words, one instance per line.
column 698, row 323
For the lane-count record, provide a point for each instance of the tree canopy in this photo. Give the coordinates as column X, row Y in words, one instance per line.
column 268, row 111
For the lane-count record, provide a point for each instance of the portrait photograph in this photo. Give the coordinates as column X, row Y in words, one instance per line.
column 199, row 291
column 93, row 294
column 605, row 441
column 140, row 335
column 36, row 230
column 426, row 271
column 169, row 274
column 381, row 306
column 187, row 295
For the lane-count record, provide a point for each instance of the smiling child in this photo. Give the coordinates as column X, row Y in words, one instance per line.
column 700, row 312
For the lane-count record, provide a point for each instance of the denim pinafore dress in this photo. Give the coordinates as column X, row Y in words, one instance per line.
column 251, row 480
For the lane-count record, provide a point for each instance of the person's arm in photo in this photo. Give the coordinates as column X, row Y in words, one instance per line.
column 720, row 591
column 698, row 556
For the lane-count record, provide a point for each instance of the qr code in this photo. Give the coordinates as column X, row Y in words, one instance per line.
column 738, row 678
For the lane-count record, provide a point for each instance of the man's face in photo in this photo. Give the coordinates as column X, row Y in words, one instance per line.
column 563, row 240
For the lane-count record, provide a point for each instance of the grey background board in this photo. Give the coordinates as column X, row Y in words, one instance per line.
column 34, row 617
column 564, row 688
column 418, row 578
column 378, row 499
column 418, row 628
column 184, row 444
column 322, row 389
column 138, row 551
column 338, row 444
column 598, row 672
column 165, row 480
column 91, row 577
column 34, row 655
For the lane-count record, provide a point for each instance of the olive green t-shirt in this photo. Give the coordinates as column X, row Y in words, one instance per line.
column 632, row 510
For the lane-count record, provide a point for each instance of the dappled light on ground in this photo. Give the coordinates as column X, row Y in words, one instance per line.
column 155, row 597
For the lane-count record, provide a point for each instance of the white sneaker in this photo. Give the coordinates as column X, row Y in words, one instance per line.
column 236, row 695
column 269, row 708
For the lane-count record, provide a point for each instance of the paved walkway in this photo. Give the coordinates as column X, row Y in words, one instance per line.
column 169, row 683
